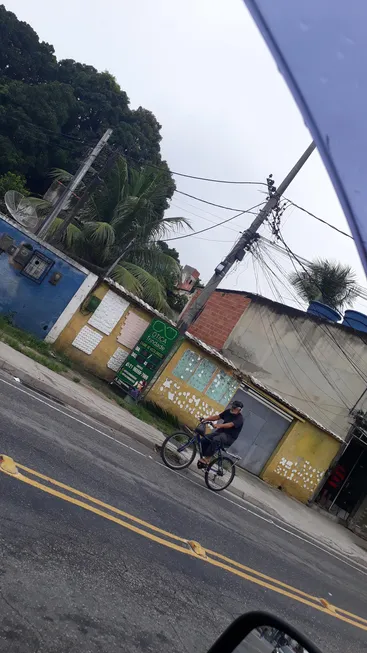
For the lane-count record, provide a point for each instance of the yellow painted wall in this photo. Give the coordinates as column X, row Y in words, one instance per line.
column 300, row 460
column 96, row 362
column 181, row 399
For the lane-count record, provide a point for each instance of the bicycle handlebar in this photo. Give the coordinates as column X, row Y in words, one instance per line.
column 201, row 419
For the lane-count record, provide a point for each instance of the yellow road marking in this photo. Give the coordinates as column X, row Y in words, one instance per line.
column 221, row 562
column 323, row 602
column 102, row 504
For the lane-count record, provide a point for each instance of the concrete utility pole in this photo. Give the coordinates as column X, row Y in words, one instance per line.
column 238, row 250
column 97, row 179
column 80, row 173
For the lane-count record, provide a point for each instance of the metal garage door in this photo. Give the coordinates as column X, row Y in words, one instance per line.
column 263, row 428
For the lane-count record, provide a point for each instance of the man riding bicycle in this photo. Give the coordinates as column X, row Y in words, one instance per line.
column 225, row 433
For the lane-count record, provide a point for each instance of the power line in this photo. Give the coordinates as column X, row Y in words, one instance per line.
column 324, row 328
column 212, row 241
column 168, row 171
column 282, row 359
column 220, row 181
column 54, row 132
column 301, row 208
column 303, row 344
column 240, row 228
column 362, row 292
column 214, row 225
column 219, row 206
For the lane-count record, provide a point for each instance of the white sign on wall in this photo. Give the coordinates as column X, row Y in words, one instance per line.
column 87, row 340
column 132, row 330
column 108, row 313
column 117, row 359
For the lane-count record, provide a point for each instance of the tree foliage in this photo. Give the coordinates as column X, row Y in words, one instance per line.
column 11, row 181
column 51, row 112
column 124, row 217
column 328, row 282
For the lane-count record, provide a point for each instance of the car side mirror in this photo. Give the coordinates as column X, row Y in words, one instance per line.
column 259, row 632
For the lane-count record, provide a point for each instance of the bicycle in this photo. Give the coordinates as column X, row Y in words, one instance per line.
column 178, row 451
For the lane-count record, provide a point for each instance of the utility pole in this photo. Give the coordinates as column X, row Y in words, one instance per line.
column 117, row 261
column 97, row 179
column 81, row 172
column 238, row 250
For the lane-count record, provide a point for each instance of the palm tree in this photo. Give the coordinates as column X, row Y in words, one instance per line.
column 121, row 225
column 324, row 281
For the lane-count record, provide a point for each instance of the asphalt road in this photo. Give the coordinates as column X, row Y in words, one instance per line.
column 74, row 581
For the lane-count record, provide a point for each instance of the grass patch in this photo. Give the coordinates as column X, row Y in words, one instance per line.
column 27, row 344
column 145, row 414
column 43, row 353
column 38, row 358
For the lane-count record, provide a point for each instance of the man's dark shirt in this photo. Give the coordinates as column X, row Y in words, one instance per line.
column 237, row 420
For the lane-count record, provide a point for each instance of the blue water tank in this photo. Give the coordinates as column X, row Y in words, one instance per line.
column 325, row 312
column 355, row 320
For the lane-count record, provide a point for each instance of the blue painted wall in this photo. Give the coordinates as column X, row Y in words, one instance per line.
column 32, row 306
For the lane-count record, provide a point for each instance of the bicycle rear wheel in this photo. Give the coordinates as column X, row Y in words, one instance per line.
column 220, row 473
column 178, row 450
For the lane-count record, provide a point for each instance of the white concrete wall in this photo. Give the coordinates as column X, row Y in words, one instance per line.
column 302, row 360
column 72, row 307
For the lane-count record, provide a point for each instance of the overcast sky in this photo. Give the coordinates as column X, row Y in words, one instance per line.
column 203, row 69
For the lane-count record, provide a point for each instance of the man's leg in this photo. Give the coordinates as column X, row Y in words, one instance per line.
column 209, row 445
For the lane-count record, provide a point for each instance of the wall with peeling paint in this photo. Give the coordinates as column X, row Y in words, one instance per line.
column 178, row 397
column 301, row 459
column 99, row 341
column 308, row 361
column 303, row 454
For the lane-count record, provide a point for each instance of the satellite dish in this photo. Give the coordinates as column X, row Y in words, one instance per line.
column 21, row 209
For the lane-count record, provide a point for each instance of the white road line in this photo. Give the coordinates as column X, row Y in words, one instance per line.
column 221, row 496
column 270, row 521
column 58, row 410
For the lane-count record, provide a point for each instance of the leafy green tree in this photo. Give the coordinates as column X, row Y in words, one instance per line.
column 52, row 111
column 176, row 300
column 324, row 281
column 124, row 218
column 22, row 56
column 10, row 181
column 31, row 118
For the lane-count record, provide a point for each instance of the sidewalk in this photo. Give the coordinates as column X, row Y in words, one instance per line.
column 275, row 505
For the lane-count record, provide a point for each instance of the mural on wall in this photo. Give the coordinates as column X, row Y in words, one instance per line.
column 36, row 282
column 196, row 386
column 301, row 472
column 190, row 402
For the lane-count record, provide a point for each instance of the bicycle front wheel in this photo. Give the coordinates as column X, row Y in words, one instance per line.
column 178, row 450
column 220, row 473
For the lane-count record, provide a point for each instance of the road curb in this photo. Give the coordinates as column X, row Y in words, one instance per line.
column 72, row 402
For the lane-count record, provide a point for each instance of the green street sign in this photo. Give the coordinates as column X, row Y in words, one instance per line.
column 147, row 355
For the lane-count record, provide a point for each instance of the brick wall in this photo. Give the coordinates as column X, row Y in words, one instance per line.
column 219, row 317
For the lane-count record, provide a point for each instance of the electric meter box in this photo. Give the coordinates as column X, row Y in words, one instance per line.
column 37, row 267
